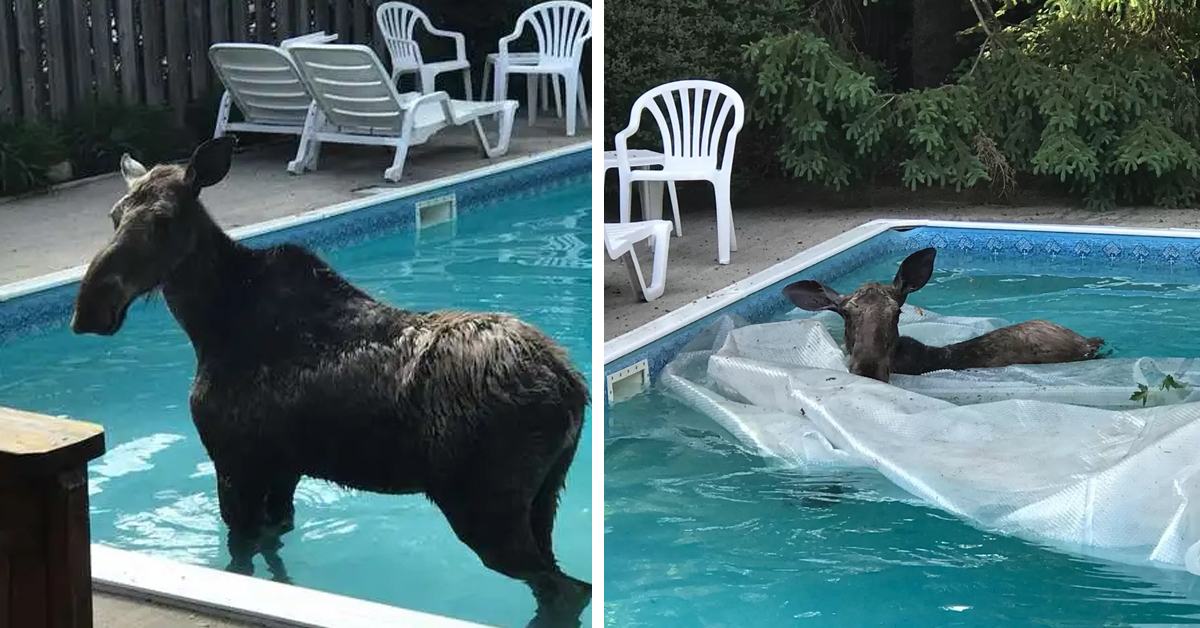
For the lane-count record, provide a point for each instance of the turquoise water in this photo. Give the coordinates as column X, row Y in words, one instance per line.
column 700, row 531
column 154, row 491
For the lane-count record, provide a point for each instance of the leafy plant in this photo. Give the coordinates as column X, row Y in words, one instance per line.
column 27, row 152
column 1143, row 392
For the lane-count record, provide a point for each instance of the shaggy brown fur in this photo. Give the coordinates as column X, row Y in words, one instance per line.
column 300, row 373
column 876, row 348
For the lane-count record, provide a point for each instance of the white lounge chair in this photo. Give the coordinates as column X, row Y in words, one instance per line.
column 262, row 81
column 619, row 241
column 562, row 28
column 397, row 22
column 698, row 145
column 355, row 102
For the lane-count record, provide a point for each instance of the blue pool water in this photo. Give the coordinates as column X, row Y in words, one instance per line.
column 701, row 531
column 154, row 491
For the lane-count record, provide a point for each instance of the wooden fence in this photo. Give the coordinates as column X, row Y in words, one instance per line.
column 58, row 56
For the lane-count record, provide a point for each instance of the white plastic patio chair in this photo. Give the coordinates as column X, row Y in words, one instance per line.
column 619, row 241
column 562, row 28
column 262, row 81
column 397, row 23
column 692, row 120
column 355, row 102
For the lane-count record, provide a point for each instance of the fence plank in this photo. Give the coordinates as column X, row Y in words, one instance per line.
column 127, row 42
column 10, row 96
column 175, row 16
column 284, row 19
column 218, row 17
column 58, row 64
column 241, row 22
column 152, row 52
column 81, row 48
column 322, row 21
column 303, row 16
column 262, row 22
column 361, row 23
column 102, row 55
column 198, row 47
column 341, row 19
column 28, row 59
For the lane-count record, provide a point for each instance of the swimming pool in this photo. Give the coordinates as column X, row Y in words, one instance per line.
column 700, row 529
column 521, row 244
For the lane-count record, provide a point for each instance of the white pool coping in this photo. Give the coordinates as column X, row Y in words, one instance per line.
column 51, row 280
column 245, row 598
column 129, row 573
column 660, row 327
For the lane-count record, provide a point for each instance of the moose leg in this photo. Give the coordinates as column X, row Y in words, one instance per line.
column 281, row 509
column 241, row 497
column 499, row 532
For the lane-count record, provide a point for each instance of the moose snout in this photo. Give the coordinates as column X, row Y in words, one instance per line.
column 99, row 308
column 874, row 370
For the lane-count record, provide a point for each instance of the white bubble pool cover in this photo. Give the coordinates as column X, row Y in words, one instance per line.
column 1053, row 453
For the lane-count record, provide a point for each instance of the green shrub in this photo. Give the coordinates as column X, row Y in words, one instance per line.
column 27, row 152
column 1101, row 102
column 650, row 43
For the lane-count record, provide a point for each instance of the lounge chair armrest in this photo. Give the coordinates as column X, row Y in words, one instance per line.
column 319, row 37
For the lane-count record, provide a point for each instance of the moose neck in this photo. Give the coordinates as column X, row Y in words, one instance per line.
column 202, row 289
column 913, row 357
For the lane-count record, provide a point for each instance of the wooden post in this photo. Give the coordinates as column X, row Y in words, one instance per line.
column 29, row 58
column 152, row 53
column 45, row 544
column 10, row 87
column 102, row 50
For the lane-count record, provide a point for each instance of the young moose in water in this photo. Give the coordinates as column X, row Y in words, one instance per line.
column 300, row 373
column 876, row 348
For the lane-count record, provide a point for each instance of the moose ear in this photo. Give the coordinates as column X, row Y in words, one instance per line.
column 210, row 163
column 131, row 169
column 813, row 296
column 915, row 271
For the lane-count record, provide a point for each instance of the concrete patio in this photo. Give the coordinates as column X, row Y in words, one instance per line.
column 45, row 232
column 771, row 229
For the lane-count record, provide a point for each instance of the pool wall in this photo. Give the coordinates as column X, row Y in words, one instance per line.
column 1074, row 250
column 45, row 302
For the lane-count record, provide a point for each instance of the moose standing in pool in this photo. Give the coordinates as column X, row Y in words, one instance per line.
column 300, row 373
column 876, row 348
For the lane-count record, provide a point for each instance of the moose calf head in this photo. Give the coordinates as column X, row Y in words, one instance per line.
column 156, row 227
column 871, row 313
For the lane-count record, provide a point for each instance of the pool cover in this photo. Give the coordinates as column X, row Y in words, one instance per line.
column 1052, row 453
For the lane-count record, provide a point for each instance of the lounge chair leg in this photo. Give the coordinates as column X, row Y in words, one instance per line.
column 467, row 83
column 222, row 116
column 393, row 174
column 305, row 152
column 635, row 274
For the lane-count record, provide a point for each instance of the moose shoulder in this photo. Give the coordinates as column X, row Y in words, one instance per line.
column 301, row 373
column 872, row 317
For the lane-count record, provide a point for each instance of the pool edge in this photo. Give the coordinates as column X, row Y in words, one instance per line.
column 133, row 574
